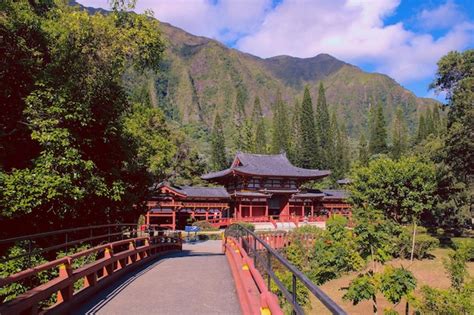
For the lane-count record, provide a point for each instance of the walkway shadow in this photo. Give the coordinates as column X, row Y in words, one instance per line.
column 98, row 301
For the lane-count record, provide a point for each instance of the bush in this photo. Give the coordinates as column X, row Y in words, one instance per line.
column 424, row 244
column 468, row 243
column 205, row 226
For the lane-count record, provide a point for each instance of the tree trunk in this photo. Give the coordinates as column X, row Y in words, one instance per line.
column 373, row 259
column 407, row 308
column 413, row 241
column 374, row 305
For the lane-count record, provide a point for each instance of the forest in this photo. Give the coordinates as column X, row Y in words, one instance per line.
column 81, row 142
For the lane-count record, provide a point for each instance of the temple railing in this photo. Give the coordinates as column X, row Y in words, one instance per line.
column 111, row 260
column 252, row 244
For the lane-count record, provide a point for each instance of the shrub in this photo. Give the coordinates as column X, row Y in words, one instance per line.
column 205, row 226
column 424, row 244
column 468, row 243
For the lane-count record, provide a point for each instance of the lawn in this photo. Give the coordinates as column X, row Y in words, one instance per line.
column 428, row 271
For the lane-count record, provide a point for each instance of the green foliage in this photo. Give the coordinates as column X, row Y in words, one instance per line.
column 260, row 140
column 72, row 105
column 424, row 244
column 399, row 135
column 396, row 283
column 218, row 155
column 338, row 153
column 204, row 226
column 455, row 76
column 309, row 140
column 281, row 127
column 78, row 262
column 378, row 132
column 393, row 283
column 10, row 267
column 467, row 243
column 302, row 293
column 402, row 189
column 363, row 150
column 375, row 235
column 456, row 265
column 324, row 131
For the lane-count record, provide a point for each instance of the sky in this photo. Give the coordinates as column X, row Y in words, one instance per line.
column 403, row 39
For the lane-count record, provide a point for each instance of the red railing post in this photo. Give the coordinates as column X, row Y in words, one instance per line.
column 65, row 271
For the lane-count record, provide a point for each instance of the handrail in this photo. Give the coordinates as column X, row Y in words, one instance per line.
column 95, row 275
column 296, row 274
column 68, row 243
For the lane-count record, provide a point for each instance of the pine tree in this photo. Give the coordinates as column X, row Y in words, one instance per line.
column 399, row 134
column 218, row 155
column 239, row 117
column 309, row 141
column 363, row 150
column 340, row 163
column 430, row 128
column 421, row 133
column 248, row 140
column 378, row 135
column 323, row 128
column 260, row 132
column 436, row 121
column 280, row 128
column 295, row 143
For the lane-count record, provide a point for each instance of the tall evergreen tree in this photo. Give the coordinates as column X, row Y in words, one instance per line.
column 239, row 116
column 430, row 128
column 218, row 155
column 340, row 162
column 378, row 132
column 309, row 141
column 323, row 127
column 421, row 133
column 436, row 120
column 399, row 134
column 363, row 150
column 295, row 145
column 248, row 140
column 280, row 130
column 260, row 131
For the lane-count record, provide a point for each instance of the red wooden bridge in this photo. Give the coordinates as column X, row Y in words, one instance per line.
column 153, row 272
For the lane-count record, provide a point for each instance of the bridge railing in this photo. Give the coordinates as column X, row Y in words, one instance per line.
column 252, row 244
column 111, row 261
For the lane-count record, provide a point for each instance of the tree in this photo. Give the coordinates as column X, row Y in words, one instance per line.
column 339, row 152
column 281, row 128
column 378, row 133
column 260, row 130
column 248, row 137
column 295, row 144
column 399, row 135
column 393, row 283
column 218, row 155
column 240, row 115
column 402, row 189
column 422, row 132
column 309, row 140
column 323, row 129
column 455, row 77
column 73, row 106
column 363, row 150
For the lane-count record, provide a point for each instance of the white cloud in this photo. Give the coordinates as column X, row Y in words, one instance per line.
column 352, row 30
column 442, row 17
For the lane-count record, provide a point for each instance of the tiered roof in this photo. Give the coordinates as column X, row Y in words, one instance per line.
column 276, row 165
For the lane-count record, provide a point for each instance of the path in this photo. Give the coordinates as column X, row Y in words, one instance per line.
column 195, row 281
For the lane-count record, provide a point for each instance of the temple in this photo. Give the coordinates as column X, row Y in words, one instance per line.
column 255, row 188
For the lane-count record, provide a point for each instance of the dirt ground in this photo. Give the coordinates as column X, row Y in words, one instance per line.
column 428, row 272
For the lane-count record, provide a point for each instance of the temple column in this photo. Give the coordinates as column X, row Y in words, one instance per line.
column 251, row 209
column 239, row 213
column 147, row 218
column 173, row 222
column 207, row 214
column 266, row 209
column 312, row 209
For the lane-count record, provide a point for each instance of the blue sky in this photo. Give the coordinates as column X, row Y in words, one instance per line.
column 403, row 39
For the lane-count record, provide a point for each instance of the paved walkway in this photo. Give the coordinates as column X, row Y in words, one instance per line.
column 195, row 281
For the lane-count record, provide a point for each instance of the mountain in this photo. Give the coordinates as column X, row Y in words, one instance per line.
column 200, row 75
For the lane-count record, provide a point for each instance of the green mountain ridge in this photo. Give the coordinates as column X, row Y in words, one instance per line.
column 202, row 76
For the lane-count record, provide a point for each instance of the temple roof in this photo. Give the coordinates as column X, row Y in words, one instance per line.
column 331, row 194
column 276, row 165
column 196, row 191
